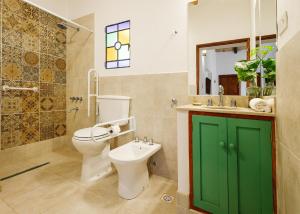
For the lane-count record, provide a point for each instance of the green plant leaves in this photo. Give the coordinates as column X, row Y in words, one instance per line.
column 269, row 66
column 246, row 70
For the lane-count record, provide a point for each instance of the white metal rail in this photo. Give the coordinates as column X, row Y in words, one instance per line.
column 96, row 93
column 132, row 127
column 8, row 88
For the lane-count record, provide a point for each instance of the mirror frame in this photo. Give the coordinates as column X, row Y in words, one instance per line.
column 228, row 42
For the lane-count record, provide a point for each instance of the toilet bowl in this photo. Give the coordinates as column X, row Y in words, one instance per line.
column 130, row 161
column 96, row 163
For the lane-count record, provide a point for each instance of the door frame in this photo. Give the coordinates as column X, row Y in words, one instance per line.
column 231, row 75
column 240, row 116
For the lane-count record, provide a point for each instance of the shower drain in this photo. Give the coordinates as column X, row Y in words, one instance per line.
column 167, row 198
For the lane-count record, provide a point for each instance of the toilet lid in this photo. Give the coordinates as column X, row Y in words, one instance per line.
column 85, row 134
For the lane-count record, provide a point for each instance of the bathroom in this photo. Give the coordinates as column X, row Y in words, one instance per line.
column 106, row 106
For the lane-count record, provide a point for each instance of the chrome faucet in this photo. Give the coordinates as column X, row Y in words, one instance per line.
column 221, row 95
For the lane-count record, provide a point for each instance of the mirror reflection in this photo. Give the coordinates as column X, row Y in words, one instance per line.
column 216, row 66
column 228, row 34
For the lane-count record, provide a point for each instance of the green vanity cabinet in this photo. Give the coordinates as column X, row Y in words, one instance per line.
column 232, row 165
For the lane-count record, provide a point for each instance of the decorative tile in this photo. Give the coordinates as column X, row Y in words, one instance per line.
column 14, row 6
column 5, row 123
column 11, row 100
column 30, row 11
column 46, row 103
column 11, row 105
column 47, row 38
column 60, row 64
column 30, row 102
column 12, row 21
column 17, row 122
column 47, row 117
column 33, row 55
column 59, row 99
column 31, row 58
column 30, row 66
column 30, row 73
column 11, row 63
column 59, row 90
column 59, row 50
column 30, row 27
column 46, row 90
column 47, row 125
column 12, row 38
column 59, row 116
column 60, row 77
column 46, row 132
column 11, row 136
column 30, row 132
column 46, row 68
column 59, row 123
column 60, row 37
column 60, row 130
column 30, row 43
column 6, row 140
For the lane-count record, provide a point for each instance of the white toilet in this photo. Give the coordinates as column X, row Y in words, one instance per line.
column 96, row 163
column 131, row 163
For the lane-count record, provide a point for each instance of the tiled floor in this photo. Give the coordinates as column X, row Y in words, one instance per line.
column 56, row 188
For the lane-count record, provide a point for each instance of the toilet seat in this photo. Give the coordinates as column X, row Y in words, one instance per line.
column 86, row 134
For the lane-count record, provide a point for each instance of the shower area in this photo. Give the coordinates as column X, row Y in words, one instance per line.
column 42, row 57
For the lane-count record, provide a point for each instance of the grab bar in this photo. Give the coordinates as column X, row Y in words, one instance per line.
column 7, row 88
column 132, row 127
column 90, row 94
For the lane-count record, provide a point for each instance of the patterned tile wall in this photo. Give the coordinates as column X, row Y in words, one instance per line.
column 33, row 54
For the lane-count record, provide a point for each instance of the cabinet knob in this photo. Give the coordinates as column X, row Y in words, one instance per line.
column 222, row 144
column 231, row 146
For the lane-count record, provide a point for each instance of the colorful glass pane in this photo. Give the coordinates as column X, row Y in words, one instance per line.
column 124, row 37
column 124, row 25
column 124, row 63
column 112, row 64
column 124, row 52
column 112, row 54
column 111, row 39
column 118, row 45
column 111, row 28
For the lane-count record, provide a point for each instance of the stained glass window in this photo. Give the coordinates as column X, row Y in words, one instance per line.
column 118, row 45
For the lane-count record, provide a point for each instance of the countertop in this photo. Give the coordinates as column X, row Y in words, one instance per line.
column 238, row 110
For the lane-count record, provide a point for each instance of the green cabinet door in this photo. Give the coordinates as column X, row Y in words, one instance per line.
column 250, row 167
column 209, row 145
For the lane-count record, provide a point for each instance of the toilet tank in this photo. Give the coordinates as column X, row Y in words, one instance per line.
column 113, row 108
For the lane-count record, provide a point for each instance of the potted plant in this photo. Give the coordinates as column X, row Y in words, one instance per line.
column 246, row 71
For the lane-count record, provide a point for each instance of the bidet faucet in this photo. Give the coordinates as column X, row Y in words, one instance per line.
column 221, row 95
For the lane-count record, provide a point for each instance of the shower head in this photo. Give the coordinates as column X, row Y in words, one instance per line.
column 65, row 26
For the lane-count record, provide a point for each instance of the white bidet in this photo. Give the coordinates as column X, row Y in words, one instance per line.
column 131, row 163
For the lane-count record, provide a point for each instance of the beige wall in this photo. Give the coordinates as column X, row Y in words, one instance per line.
column 151, row 105
column 288, row 126
column 80, row 58
column 292, row 8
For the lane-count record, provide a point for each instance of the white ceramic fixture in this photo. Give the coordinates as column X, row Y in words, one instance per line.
column 93, row 143
column 131, row 163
